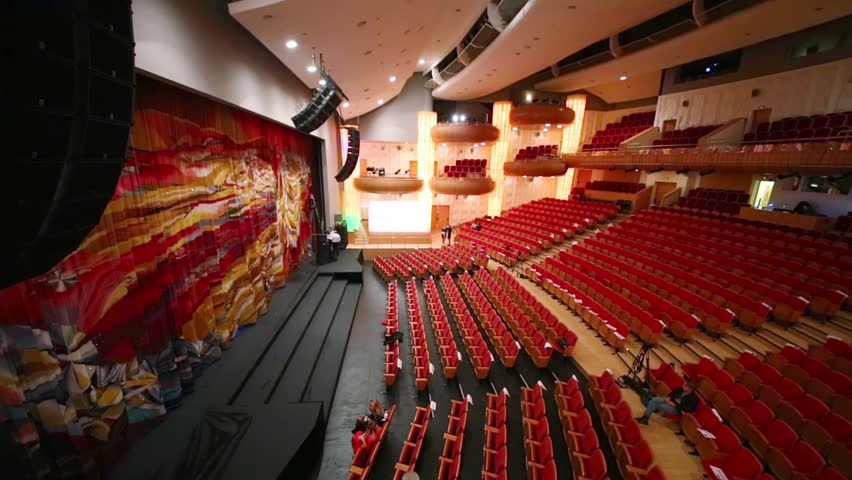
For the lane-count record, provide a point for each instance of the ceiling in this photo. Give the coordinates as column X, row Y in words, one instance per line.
column 634, row 88
column 762, row 22
column 363, row 42
column 543, row 33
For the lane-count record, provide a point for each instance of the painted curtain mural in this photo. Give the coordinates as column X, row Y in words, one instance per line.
column 208, row 218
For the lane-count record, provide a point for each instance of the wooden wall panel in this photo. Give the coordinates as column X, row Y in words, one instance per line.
column 727, row 181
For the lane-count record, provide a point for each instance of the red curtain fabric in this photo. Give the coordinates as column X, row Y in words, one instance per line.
column 210, row 215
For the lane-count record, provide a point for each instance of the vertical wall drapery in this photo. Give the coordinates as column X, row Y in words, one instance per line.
column 571, row 136
column 499, row 154
column 425, row 155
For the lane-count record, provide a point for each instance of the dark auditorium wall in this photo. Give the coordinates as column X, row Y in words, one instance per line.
column 208, row 218
column 728, row 181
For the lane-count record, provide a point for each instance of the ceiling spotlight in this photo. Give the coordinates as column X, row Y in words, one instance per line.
column 443, row 144
column 462, row 118
column 322, row 82
column 482, row 143
column 546, row 124
column 623, row 77
column 514, row 129
column 421, row 61
column 544, row 130
column 529, row 97
column 345, row 104
column 455, row 117
column 291, row 44
column 392, row 78
column 380, row 101
column 312, row 68
column 634, row 169
column 559, row 126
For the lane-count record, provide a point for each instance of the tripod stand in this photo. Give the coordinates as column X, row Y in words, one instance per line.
column 641, row 362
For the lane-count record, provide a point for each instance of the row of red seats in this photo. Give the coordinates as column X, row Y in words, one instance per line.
column 773, row 235
column 633, row 454
column 609, row 186
column 450, row 459
column 560, row 217
column 607, row 210
column 727, row 208
column 530, row 337
column 364, row 459
column 450, row 355
column 824, row 300
column 577, row 429
column 417, row 338
column 720, row 194
column 518, row 241
column 537, row 151
column 555, row 235
column 687, row 137
column 643, row 312
column 413, row 443
column 812, row 375
column 495, row 248
column 415, row 266
column 749, row 415
column 391, row 324
column 614, row 133
column 832, row 120
column 504, row 343
column 545, row 239
column 715, row 270
column 384, row 268
column 613, row 330
column 477, row 350
column 715, row 318
column 495, row 450
column 467, row 257
column 520, row 301
column 663, row 273
column 538, row 446
column 466, row 167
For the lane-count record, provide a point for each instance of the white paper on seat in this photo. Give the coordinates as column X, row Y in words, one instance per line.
column 399, row 363
column 459, row 354
column 540, row 384
column 433, row 405
column 469, row 399
column 431, row 368
column 717, row 414
column 706, row 434
column 718, row 472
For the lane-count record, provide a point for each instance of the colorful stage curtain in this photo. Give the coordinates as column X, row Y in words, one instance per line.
column 210, row 215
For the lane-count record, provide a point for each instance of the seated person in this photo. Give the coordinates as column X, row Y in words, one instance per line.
column 377, row 413
column 365, row 434
column 681, row 400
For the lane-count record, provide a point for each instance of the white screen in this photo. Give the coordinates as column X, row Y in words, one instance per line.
column 399, row 216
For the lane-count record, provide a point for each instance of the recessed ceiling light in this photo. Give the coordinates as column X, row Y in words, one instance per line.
column 514, row 129
column 455, row 118
column 380, row 101
column 559, row 126
column 392, row 78
column 345, row 104
column 545, row 129
column 546, row 124
column 462, row 118
column 482, row 143
column 312, row 68
column 529, row 97
column 421, row 61
column 623, row 77
column 443, row 144
column 322, row 82
column 291, row 44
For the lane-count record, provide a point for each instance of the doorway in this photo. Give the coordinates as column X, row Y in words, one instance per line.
column 761, row 115
column 440, row 217
column 669, row 125
column 764, row 192
column 663, row 189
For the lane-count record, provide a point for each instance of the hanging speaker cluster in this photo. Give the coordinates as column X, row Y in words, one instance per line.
column 323, row 104
column 353, row 149
column 70, row 99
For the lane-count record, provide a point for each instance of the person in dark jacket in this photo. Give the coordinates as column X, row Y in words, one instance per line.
column 681, row 400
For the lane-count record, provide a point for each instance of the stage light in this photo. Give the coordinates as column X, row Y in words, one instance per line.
column 455, row 117
column 544, row 130
column 634, row 169
column 421, row 61
column 559, row 126
column 392, row 78
column 623, row 77
column 546, row 124
column 514, row 129
column 312, row 68
column 345, row 104
column 322, row 82
column 380, row 101
column 291, row 44
column 529, row 97
column 482, row 143
column 462, row 118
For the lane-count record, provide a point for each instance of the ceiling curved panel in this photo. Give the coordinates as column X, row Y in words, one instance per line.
column 761, row 22
column 543, row 33
column 364, row 43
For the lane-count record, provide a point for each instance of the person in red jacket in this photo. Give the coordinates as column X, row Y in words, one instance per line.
column 365, row 434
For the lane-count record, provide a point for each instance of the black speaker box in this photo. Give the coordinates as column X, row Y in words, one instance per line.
column 71, row 98
column 352, row 152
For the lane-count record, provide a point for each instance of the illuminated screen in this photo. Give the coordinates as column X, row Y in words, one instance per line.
column 399, row 216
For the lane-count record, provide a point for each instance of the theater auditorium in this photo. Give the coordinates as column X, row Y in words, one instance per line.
column 427, row 239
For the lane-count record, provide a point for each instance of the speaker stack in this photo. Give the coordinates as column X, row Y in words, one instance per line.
column 353, row 150
column 68, row 97
column 323, row 104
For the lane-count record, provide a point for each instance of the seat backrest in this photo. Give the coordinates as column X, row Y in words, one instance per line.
column 805, row 458
column 743, row 463
column 595, row 467
column 641, row 456
column 780, row 434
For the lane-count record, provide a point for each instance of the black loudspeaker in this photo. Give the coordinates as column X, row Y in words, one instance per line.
column 323, row 255
column 344, row 234
column 353, row 150
column 323, row 104
column 69, row 98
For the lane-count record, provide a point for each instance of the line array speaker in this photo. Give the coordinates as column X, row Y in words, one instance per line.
column 353, row 150
column 71, row 98
column 323, row 104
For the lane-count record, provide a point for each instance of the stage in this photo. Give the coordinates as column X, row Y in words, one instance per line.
column 261, row 411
